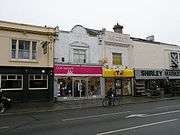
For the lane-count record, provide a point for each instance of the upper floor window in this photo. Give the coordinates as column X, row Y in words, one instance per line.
column 79, row 56
column 13, row 49
column 117, row 58
column 34, row 53
column 174, row 59
column 23, row 49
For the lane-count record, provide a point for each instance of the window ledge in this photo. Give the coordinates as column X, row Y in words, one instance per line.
column 24, row 60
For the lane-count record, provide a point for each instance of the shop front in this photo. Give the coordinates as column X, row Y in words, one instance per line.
column 173, row 77
column 119, row 80
column 78, row 81
column 150, row 81
column 25, row 84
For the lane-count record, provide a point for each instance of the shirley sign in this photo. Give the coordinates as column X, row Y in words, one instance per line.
column 77, row 70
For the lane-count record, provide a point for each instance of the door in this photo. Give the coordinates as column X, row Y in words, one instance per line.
column 80, row 87
column 118, row 87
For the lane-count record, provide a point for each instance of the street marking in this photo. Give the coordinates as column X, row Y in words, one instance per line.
column 161, row 107
column 163, row 113
column 149, row 115
column 135, row 115
column 94, row 116
column 136, row 127
column 5, row 127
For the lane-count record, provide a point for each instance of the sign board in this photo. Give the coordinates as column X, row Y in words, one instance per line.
column 157, row 74
column 77, row 70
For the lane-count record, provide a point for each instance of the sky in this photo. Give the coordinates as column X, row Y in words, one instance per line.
column 140, row 18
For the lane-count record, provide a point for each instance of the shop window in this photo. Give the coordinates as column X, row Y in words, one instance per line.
column 79, row 56
column 38, row 82
column 117, row 58
column 11, row 82
column 94, row 86
column 64, row 86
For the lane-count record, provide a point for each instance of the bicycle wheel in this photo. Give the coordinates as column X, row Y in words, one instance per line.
column 105, row 102
column 116, row 101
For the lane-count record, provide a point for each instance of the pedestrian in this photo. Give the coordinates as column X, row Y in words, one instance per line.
column 1, row 101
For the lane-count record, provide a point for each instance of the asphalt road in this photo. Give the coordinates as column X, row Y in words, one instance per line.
column 154, row 118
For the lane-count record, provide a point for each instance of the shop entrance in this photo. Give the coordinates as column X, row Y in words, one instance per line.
column 80, row 87
column 118, row 87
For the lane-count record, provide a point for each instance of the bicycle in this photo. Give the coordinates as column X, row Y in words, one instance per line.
column 109, row 101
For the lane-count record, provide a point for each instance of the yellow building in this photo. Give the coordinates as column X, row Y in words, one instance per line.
column 26, row 61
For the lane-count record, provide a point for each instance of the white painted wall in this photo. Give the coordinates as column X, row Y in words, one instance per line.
column 118, row 43
column 80, row 39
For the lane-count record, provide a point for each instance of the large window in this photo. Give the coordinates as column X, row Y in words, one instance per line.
column 79, row 56
column 10, row 82
column 23, row 49
column 38, row 81
column 117, row 58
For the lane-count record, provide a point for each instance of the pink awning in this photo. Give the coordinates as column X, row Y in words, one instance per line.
column 77, row 70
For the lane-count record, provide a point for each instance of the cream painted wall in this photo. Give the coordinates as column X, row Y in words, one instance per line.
column 152, row 56
column 5, row 48
column 109, row 49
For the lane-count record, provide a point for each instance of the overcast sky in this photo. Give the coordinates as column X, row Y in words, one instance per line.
column 140, row 18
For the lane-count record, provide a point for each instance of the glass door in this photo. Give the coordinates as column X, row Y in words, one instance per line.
column 80, row 87
column 118, row 87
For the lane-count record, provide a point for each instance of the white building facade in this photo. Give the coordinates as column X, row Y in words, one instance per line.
column 78, row 73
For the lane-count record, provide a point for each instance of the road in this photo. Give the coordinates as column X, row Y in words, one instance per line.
column 153, row 118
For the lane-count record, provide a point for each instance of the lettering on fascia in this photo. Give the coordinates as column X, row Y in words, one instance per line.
column 151, row 73
column 116, row 38
column 172, row 73
column 118, row 72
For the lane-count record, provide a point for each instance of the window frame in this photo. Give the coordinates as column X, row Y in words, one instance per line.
column 114, row 53
column 30, row 51
column 7, row 78
column 37, row 79
column 80, row 52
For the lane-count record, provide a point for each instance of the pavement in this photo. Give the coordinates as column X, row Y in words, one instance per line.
column 37, row 107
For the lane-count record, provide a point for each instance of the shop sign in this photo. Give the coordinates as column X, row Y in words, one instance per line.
column 118, row 73
column 149, row 74
column 156, row 74
column 172, row 73
column 78, row 70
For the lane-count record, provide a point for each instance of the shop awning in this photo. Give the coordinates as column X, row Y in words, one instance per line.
column 77, row 70
column 118, row 73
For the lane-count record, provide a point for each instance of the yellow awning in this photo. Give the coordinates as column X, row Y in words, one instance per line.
column 118, row 73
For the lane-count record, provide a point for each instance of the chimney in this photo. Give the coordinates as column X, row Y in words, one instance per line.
column 118, row 28
column 150, row 38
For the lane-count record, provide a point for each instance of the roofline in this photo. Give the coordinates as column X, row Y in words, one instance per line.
column 29, row 29
column 23, row 24
column 147, row 41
